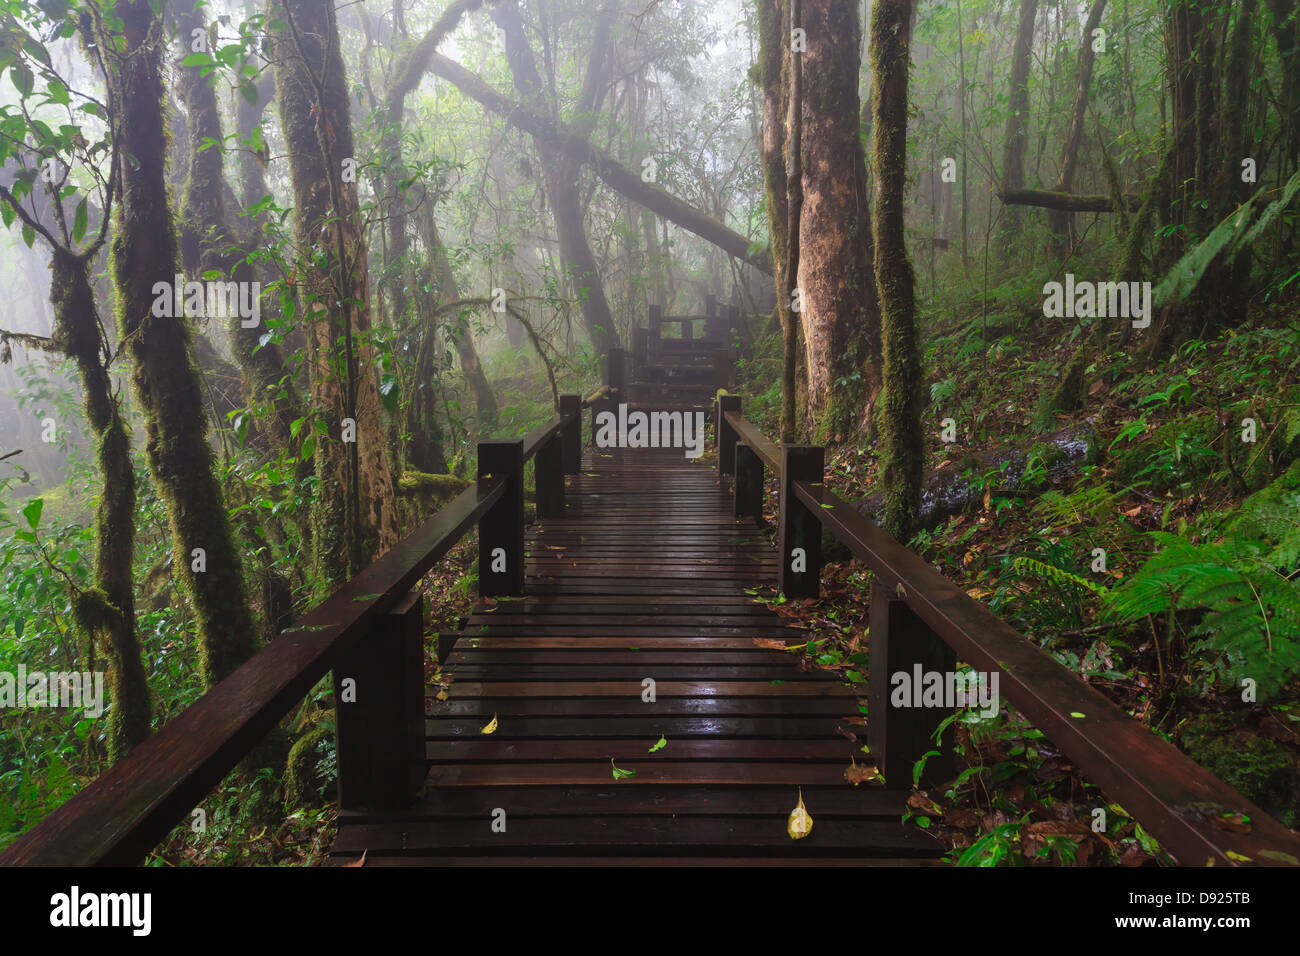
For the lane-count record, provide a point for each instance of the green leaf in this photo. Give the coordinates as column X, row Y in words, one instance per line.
column 29, row 235
column 619, row 773
column 197, row 59
column 663, row 742
column 1075, row 713
column 22, row 77
column 79, row 221
column 33, row 512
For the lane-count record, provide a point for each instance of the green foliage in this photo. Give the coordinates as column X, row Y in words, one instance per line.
column 1242, row 584
column 1235, row 233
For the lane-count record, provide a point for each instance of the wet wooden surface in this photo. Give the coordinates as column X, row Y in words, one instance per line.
column 644, row 576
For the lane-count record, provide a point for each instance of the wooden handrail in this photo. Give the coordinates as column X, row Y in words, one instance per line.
column 1175, row 799
column 540, row 435
column 129, row 808
column 748, row 433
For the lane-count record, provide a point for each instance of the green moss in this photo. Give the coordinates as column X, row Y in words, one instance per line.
column 306, row 783
column 1259, row 769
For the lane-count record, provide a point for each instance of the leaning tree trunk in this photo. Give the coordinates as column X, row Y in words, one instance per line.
column 106, row 612
column 561, row 172
column 901, row 426
column 354, row 517
column 463, row 339
column 1060, row 221
column 144, row 253
column 841, row 309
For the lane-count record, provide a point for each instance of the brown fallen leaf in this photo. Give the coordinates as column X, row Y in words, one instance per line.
column 964, row 819
column 360, row 861
column 1053, row 828
column 769, row 643
column 1133, row 512
column 1233, row 823
column 848, row 734
column 856, row 774
column 919, row 801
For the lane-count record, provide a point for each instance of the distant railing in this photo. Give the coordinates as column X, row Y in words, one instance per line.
column 920, row 619
column 369, row 633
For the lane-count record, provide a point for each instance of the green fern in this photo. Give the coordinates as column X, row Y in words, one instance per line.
column 1091, row 503
column 1058, row 576
column 1244, row 582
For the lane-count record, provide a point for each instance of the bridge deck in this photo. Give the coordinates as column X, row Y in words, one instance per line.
column 645, row 575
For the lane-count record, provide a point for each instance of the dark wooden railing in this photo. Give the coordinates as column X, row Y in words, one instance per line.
column 919, row 617
column 368, row 633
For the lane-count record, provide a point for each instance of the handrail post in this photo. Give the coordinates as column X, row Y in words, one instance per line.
column 501, row 529
column 799, row 535
column 614, row 371
column 640, row 340
column 721, row 368
column 654, row 331
column 749, row 483
column 726, row 434
column 899, row 735
column 572, row 433
column 379, row 711
column 548, row 477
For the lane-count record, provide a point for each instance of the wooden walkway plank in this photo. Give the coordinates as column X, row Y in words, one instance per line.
column 646, row 574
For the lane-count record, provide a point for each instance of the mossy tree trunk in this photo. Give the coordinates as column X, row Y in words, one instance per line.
column 901, row 419
column 107, row 612
column 841, row 308
column 353, row 514
column 1016, row 136
column 773, row 75
column 209, row 242
column 163, row 372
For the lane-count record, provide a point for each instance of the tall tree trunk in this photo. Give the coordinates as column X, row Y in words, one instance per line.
column 561, row 169
column 353, row 512
column 904, row 448
column 773, row 40
column 144, row 253
column 1016, row 135
column 841, row 308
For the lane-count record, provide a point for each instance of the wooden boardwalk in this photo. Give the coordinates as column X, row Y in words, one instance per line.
column 644, row 576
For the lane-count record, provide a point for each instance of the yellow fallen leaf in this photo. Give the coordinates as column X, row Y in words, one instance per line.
column 801, row 821
column 442, row 695
column 491, row 728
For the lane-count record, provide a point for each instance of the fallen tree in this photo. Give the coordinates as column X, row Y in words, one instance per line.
column 1064, row 202
column 613, row 173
